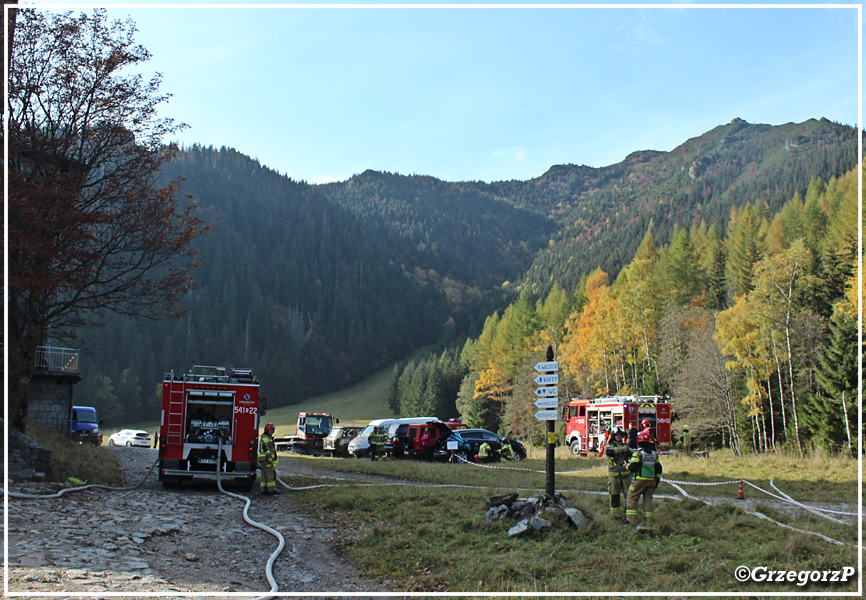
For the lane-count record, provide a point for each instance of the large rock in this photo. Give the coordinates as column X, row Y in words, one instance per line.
column 554, row 513
column 519, row 529
column 496, row 512
column 505, row 500
column 580, row 520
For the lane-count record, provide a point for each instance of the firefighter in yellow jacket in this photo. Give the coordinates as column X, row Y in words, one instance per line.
column 618, row 475
column 646, row 469
column 268, row 461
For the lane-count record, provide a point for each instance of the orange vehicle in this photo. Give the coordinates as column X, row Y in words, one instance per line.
column 210, row 419
column 587, row 421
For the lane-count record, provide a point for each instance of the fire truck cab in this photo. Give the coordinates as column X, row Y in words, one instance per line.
column 587, row 421
column 210, row 419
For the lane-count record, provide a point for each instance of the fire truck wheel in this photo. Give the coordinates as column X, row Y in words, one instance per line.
column 575, row 447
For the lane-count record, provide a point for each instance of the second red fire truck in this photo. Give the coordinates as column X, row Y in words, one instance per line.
column 210, row 421
column 587, row 421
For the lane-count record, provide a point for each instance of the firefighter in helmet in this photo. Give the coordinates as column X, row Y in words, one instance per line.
column 506, row 451
column 268, row 461
column 687, row 441
column 646, row 469
column 618, row 475
column 646, row 425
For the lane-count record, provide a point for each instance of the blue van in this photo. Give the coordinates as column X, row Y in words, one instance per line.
column 84, row 425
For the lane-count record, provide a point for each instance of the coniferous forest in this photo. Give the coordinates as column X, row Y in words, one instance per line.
column 721, row 273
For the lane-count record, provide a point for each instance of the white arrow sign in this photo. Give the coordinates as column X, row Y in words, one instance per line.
column 547, row 392
column 552, row 379
column 550, row 365
column 545, row 415
column 546, row 403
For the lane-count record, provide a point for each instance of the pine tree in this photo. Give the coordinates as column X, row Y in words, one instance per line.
column 717, row 280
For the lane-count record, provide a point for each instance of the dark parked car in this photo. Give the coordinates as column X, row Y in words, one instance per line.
column 337, row 441
column 470, row 440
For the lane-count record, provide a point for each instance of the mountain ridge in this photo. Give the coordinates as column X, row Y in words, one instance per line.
column 317, row 286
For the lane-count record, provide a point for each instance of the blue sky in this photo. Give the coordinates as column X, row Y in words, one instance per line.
column 490, row 94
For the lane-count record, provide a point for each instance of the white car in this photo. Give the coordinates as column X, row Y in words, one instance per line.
column 130, row 437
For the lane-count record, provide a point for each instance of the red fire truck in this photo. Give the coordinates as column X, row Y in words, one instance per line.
column 210, row 420
column 587, row 421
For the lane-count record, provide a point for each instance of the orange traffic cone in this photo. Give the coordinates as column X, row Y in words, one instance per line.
column 740, row 494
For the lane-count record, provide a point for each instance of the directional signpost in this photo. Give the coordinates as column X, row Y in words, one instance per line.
column 546, row 379
column 545, row 415
column 547, row 394
column 545, row 403
column 550, row 365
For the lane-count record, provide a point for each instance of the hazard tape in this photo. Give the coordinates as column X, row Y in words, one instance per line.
column 469, row 462
column 760, row 489
column 474, row 464
column 699, row 482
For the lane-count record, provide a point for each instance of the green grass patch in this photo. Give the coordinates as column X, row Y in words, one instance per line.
column 827, row 478
column 425, row 539
column 92, row 464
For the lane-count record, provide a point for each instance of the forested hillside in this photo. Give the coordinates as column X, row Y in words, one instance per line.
column 605, row 212
column 314, row 287
column 753, row 333
column 300, row 290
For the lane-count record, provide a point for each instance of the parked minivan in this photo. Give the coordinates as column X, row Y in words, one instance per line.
column 84, row 425
column 359, row 446
column 404, row 438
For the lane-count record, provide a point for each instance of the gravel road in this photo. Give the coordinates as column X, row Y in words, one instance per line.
column 156, row 540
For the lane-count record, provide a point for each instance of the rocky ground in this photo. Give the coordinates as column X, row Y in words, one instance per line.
column 156, row 540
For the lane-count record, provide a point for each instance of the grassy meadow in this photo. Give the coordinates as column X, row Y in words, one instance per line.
column 426, row 526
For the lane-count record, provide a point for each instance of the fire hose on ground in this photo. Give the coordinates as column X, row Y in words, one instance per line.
column 247, row 518
column 282, row 541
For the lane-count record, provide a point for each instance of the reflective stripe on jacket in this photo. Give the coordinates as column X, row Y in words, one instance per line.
column 267, row 449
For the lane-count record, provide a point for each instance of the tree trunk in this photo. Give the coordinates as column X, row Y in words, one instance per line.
column 847, row 428
column 764, row 432
column 772, row 416
column 13, row 12
column 791, row 380
column 26, row 329
column 781, row 391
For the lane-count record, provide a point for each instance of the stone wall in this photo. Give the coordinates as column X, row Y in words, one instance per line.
column 51, row 401
column 27, row 459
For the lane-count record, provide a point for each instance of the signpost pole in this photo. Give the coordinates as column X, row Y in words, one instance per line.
column 550, row 487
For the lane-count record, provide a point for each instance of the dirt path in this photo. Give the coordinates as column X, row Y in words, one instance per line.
column 152, row 539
